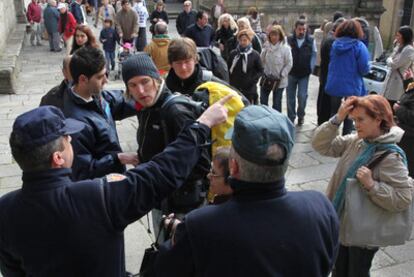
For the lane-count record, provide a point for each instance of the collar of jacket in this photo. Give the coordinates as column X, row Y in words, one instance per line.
column 197, row 75
column 93, row 105
column 243, row 190
column 46, row 179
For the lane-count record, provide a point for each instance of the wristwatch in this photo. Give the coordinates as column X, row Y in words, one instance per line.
column 335, row 121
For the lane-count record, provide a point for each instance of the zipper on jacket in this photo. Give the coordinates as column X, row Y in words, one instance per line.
column 143, row 139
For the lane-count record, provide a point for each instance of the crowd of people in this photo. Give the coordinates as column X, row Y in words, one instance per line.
column 225, row 210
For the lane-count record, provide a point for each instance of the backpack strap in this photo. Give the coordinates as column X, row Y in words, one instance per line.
column 206, row 75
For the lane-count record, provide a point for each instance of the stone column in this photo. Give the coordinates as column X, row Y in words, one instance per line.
column 19, row 6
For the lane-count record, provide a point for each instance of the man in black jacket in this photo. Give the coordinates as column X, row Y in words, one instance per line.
column 56, row 227
column 97, row 149
column 159, row 124
column 264, row 230
column 304, row 57
column 54, row 96
column 186, row 18
column 186, row 74
column 201, row 32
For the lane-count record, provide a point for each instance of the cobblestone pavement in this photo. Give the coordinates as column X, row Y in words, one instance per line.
column 41, row 70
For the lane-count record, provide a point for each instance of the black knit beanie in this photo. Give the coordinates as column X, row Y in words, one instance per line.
column 139, row 65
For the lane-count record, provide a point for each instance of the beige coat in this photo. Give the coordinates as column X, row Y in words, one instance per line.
column 392, row 186
column 398, row 61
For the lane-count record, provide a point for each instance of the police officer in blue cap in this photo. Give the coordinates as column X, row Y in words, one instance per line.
column 264, row 230
column 55, row 227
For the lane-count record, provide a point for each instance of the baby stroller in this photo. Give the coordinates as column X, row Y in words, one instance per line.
column 123, row 53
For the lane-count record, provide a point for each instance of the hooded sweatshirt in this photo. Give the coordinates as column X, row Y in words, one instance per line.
column 349, row 63
column 158, row 50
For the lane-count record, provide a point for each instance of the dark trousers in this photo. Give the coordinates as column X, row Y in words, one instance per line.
column 353, row 261
column 323, row 106
column 348, row 124
column 141, row 40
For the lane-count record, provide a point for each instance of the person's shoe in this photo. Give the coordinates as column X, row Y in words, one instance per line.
column 39, row 44
column 301, row 121
column 59, row 50
column 32, row 43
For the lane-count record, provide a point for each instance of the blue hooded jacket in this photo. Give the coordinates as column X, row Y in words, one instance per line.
column 348, row 64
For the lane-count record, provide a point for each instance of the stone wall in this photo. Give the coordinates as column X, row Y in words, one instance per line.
column 287, row 11
column 7, row 20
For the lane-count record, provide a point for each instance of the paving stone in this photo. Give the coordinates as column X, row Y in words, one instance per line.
column 302, row 147
column 5, row 158
column 399, row 270
column 313, row 173
column 300, row 160
column 322, row 159
column 319, row 185
column 10, row 170
column 401, row 253
column 11, row 182
column 381, row 259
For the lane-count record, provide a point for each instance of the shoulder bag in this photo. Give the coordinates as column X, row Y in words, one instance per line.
column 366, row 224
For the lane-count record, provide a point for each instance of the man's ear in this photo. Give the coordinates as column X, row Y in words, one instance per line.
column 57, row 159
column 82, row 79
column 234, row 168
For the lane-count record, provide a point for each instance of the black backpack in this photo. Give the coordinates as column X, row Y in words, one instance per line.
column 208, row 59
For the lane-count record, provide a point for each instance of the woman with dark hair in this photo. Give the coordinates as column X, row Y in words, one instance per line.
column 386, row 184
column 66, row 25
column 219, row 175
column 400, row 60
column 83, row 37
column 348, row 64
column 159, row 14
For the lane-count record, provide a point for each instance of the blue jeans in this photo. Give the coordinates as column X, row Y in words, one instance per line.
column 110, row 60
column 277, row 98
column 301, row 84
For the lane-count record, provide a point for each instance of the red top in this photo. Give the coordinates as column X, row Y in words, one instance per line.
column 70, row 26
column 34, row 12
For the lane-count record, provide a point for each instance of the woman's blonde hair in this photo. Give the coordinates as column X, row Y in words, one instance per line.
column 245, row 21
column 227, row 16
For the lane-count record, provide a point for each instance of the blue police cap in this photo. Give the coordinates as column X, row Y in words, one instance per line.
column 42, row 125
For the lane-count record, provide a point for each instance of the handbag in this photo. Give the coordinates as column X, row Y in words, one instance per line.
column 269, row 83
column 367, row 224
column 147, row 268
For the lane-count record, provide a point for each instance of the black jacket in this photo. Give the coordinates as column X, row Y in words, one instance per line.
column 184, row 20
column 159, row 15
column 157, row 128
column 203, row 37
column 188, row 86
column 55, row 227
column 263, row 230
column 97, row 145
column 246, row 82
column 54, row 97
column 225, row 37
column 405, row 118
column 301, row 56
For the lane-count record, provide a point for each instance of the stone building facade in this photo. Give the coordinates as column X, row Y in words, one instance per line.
column 287, row 11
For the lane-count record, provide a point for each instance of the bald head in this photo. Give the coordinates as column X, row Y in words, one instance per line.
column 161, row 28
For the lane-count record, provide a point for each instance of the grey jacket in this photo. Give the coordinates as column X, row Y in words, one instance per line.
column 392, row 190
column 398, row 62
column 277, row 61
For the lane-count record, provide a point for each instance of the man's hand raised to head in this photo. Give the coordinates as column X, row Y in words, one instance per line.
column 216, row 113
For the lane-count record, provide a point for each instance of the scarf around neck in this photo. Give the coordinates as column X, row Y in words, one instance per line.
column 244, row 54
column 362, row 160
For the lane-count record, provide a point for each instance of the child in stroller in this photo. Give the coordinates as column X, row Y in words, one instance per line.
column 124, row 52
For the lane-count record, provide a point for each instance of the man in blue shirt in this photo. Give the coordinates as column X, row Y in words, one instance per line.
column 304, row 57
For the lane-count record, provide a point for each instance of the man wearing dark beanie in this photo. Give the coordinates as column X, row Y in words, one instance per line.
column 160, row 124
